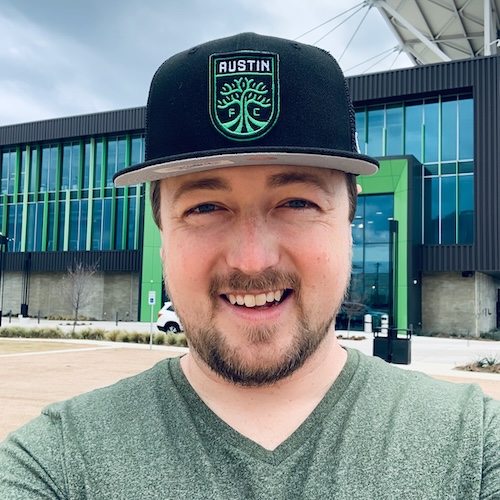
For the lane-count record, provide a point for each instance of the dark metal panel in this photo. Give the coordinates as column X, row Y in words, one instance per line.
column 111, row 122
column 418, row 81
column 112, row 260
column 487, row 165
column 456, row 258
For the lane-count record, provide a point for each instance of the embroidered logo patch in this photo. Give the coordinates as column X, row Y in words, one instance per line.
column 244, row 93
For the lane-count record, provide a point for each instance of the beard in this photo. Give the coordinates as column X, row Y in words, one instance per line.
column 210, row 344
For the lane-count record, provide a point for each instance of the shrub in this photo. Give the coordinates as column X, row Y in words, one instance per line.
column 490, row 364
column 91, row 334
column 32, row 333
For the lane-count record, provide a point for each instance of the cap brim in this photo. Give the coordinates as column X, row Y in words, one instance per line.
column 154, row 170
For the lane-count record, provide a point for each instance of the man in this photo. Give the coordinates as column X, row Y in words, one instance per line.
column 251, row 154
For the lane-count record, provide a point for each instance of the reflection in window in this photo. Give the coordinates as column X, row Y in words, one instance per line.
column 86, row 165
column 137, row 149
column 8, row 168
column 60, row 226
column 51, row 227
column 35, row 223
column 117, row 149
column 14, row 225
column 22, row 171
column 370, row 267
column 70, row 166
column 34, row 172
column 131, row 232
column 98, row 163
column 448, row 210
column 97, row 225
column 449, row 112
column 413, row 130
column 106, row 225
column 119, row 224
column 375, row 135
column 431, row 132
column 466, row 209
column 394, row 130
column 48, row 172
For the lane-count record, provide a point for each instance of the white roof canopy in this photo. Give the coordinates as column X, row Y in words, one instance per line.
column 432, row 31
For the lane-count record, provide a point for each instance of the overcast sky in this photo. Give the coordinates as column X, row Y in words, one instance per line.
column 69, row 57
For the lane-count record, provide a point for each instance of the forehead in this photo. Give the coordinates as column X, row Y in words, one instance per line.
column 257, row 178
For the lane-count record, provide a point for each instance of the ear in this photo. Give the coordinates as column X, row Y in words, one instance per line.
column 359, row 188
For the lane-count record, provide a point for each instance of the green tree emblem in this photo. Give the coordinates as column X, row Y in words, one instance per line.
column 248, row 97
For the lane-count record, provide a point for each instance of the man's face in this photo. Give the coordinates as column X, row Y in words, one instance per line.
column 257, row 261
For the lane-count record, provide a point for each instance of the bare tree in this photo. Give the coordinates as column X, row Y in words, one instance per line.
column 352, row 309
column 77, row 287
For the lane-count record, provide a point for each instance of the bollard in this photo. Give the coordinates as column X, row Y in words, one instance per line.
column 368, row 323
column 384, row 324
column 10, row 316
column 116, row 319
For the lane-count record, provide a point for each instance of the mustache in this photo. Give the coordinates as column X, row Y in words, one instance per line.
column 270, row 279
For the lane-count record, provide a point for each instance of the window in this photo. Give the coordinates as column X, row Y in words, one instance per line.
column 70, row 166
column 439, row 133
column 35, row 223
column 117, row 149
column 8, row 167
column 34, row 172
column 371, row 252
column 14, row 227
column 48, row 174
column 137, row 149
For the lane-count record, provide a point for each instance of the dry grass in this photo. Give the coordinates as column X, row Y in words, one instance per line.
column 483, row 365
column 8, row 346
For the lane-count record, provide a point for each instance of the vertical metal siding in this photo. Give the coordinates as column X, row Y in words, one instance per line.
column 112, row 122
column 112, row 260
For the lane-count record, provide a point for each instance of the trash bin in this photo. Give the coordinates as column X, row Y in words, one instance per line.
column 392, row 347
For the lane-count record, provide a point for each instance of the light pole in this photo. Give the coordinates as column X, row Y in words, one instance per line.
column 3, row 242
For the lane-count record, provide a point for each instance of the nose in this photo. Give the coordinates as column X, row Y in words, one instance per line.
column 253, row 246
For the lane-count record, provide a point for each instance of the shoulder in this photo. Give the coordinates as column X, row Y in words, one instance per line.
column 130, row 396
column 423, row 394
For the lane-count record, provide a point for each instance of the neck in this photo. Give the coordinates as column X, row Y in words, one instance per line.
column 269, row 414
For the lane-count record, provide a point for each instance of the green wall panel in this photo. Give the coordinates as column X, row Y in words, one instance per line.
column 393, row 177
column 151, row 279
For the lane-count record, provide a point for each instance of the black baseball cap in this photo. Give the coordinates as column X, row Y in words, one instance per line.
column 246, row 100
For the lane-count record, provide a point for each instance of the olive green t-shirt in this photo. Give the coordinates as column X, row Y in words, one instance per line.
column 379, row 433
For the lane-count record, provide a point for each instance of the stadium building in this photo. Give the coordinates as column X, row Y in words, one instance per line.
column 427, row 227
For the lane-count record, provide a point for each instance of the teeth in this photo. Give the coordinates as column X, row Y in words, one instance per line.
column 260, row 299
column 249, row 300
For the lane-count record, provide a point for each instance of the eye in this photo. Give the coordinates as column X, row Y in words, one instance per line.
column 204, row 208
column 299, row 204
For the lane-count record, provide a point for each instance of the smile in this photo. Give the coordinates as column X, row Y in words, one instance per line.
column 259, row 299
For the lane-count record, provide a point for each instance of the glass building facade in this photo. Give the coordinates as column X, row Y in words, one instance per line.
column 438, row 131
column 60, row 196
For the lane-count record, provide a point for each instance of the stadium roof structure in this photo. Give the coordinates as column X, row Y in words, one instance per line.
column 432, row 31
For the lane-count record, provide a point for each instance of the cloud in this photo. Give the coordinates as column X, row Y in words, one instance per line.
column 61, row 58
